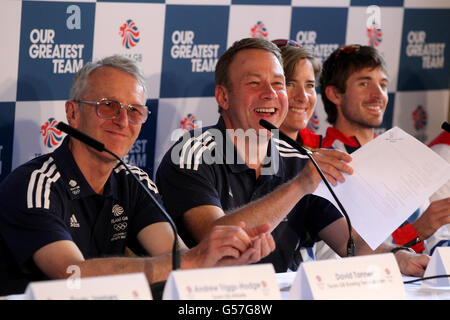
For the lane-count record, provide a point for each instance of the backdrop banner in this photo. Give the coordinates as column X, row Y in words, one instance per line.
column 178, row 43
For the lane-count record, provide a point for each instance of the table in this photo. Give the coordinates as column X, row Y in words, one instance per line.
column 414, row 291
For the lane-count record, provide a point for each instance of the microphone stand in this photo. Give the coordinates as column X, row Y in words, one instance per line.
column 351, row 250
column 176, row 259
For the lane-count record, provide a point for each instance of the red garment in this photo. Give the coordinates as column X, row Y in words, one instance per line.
column 309, row 139
column 406, row 235
column 442, row 138
column 334, row 134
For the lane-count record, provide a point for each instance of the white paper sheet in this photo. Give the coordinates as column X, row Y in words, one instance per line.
column 393, row 175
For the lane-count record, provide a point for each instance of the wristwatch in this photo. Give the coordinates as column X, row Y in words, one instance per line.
column 402, row 248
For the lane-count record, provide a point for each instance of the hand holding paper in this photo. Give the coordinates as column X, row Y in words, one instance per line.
column 393, row 175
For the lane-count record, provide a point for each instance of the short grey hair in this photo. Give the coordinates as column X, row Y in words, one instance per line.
column 121, row 62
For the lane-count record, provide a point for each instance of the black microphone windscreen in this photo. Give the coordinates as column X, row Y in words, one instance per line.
column 446, row 126
column 71, row 131
column 266, row 124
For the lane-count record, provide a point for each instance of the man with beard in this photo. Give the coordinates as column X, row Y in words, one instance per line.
column 354, row 89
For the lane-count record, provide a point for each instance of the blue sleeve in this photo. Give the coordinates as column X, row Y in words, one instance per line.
column 183, row 189
column 311, row 215
column 146, row 211
column 26, row 230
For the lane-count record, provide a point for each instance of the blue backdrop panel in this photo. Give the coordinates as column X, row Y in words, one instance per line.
column 54, row 43
column 178, row 46
column 195, row 36
column 425, row 50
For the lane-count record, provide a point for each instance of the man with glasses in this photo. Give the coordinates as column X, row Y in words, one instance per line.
column 354, row 89
column 235, row 171
column 76, row 207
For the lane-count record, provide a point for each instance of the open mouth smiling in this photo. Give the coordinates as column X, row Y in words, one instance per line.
column 266, row 111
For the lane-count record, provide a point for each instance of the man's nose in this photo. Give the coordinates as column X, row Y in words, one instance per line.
column 268, row 91
column 122, row 118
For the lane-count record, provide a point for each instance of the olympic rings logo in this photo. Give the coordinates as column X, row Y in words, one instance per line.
column 120, row 226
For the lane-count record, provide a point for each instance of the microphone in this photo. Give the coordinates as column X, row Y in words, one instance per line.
column 77, row 134
column 97, row 145
column 446, row 126
column 267, row 125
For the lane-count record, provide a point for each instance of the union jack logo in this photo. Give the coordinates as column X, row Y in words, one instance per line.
column 189, row 122
column 259, row 30
column 375, row 35
column 313, row 123
column 420, row 118
column 129, row 34
column 52, row 136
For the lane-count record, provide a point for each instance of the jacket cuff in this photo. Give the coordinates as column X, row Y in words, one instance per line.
column 407, row 236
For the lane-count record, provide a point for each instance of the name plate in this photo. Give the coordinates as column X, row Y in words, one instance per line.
column 438, row 265
column 132, row 286
column 225, row 283
column 371, row 277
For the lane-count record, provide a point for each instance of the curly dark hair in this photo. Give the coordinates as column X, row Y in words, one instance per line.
column 340, row 65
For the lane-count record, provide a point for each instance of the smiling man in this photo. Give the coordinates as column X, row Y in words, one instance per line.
column 78, row 207
column 215, row 176
column 353, row 86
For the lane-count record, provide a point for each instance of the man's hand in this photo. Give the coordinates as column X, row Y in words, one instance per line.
column 436, row 215
column 333, row 164
column 261, row 246
column 230, row 245
column 412, row 264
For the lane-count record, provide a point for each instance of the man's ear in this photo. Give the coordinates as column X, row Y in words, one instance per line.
column 222, row 97
column 72, row 112
column 333, row 95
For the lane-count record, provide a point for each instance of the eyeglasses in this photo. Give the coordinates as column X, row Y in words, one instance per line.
column 109, row 109
column 281, row 43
